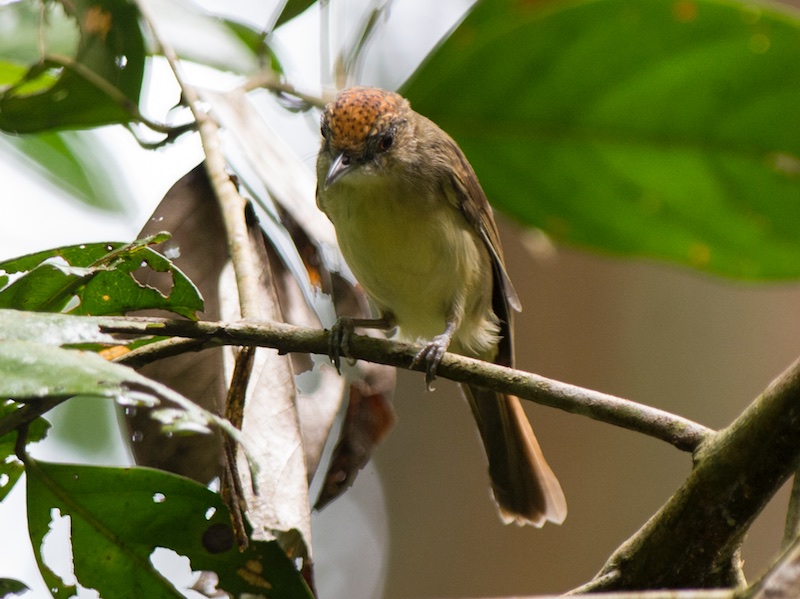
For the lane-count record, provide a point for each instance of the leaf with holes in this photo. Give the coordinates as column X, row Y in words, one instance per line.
column 119, row 516
column 97, row 279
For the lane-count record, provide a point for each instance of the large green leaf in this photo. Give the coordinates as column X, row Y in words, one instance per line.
column 32, row 372
column 96, row 279
column 666, row 128
column 98, row 82
column 119, row 516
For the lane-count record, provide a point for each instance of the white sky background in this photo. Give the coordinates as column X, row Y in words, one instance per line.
column 34, row 215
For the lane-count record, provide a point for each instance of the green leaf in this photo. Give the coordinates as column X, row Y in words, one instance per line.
column 11, row 468
column 52, row 329
column 94, row 82
column 119, row 516
column 74, row 161
column 9, row 587
column 98, row 279
column 666, row 129
column 34, row 371
column 291, row 9
column 23, row 34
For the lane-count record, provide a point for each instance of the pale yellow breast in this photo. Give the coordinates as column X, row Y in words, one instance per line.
column 416, row 256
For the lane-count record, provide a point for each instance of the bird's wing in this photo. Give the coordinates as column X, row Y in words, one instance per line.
column 475, row 207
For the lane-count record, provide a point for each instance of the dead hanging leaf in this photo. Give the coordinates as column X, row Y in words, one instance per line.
column 189, row 211
column 369, row 416
column 368, row 420
column 319, row 387
column 278, row 499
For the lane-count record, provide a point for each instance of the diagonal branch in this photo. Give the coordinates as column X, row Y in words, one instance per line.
column 693, row 540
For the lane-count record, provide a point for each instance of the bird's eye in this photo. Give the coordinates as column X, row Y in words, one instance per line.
column 386, row 142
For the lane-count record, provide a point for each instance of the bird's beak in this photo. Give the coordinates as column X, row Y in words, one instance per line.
column 341, row 164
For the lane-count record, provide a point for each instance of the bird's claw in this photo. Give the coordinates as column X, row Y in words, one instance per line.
column 339, row 341
column 431, row 356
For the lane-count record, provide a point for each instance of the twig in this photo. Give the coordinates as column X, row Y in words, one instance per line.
column 268, row 80
column 158, row 350
column 114, row 93
column 232, row 491
column 680, row 432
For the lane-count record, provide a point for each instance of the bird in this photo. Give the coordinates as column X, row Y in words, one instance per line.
column 417, row 231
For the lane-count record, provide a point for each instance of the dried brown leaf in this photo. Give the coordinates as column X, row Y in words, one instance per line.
column 190, row 213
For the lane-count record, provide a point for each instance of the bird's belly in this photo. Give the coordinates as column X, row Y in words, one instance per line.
column 412, row 256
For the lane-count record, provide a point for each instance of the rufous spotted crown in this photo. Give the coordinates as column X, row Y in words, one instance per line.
column 359, row 114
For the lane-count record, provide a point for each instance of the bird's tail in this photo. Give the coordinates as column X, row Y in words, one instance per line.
column 525, row 488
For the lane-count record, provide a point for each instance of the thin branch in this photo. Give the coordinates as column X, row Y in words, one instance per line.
column 268, row 80
column 680, row 432
column 114, row 93
column 170, row 137
column 232, row 491
column 159, row 350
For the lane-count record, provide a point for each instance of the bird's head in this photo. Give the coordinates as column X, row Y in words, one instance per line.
column 363, row 126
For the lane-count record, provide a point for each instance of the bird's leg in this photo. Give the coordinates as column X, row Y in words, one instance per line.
column 433, row 352
column 342, row 330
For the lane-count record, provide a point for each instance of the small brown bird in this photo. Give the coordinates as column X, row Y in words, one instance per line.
column 418, row 233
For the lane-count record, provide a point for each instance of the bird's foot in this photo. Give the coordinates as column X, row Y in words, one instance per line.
column 339, row 341
column 431, row 356
column 343, row 329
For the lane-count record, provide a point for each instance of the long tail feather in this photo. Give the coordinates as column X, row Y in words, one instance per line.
column 525, row 488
